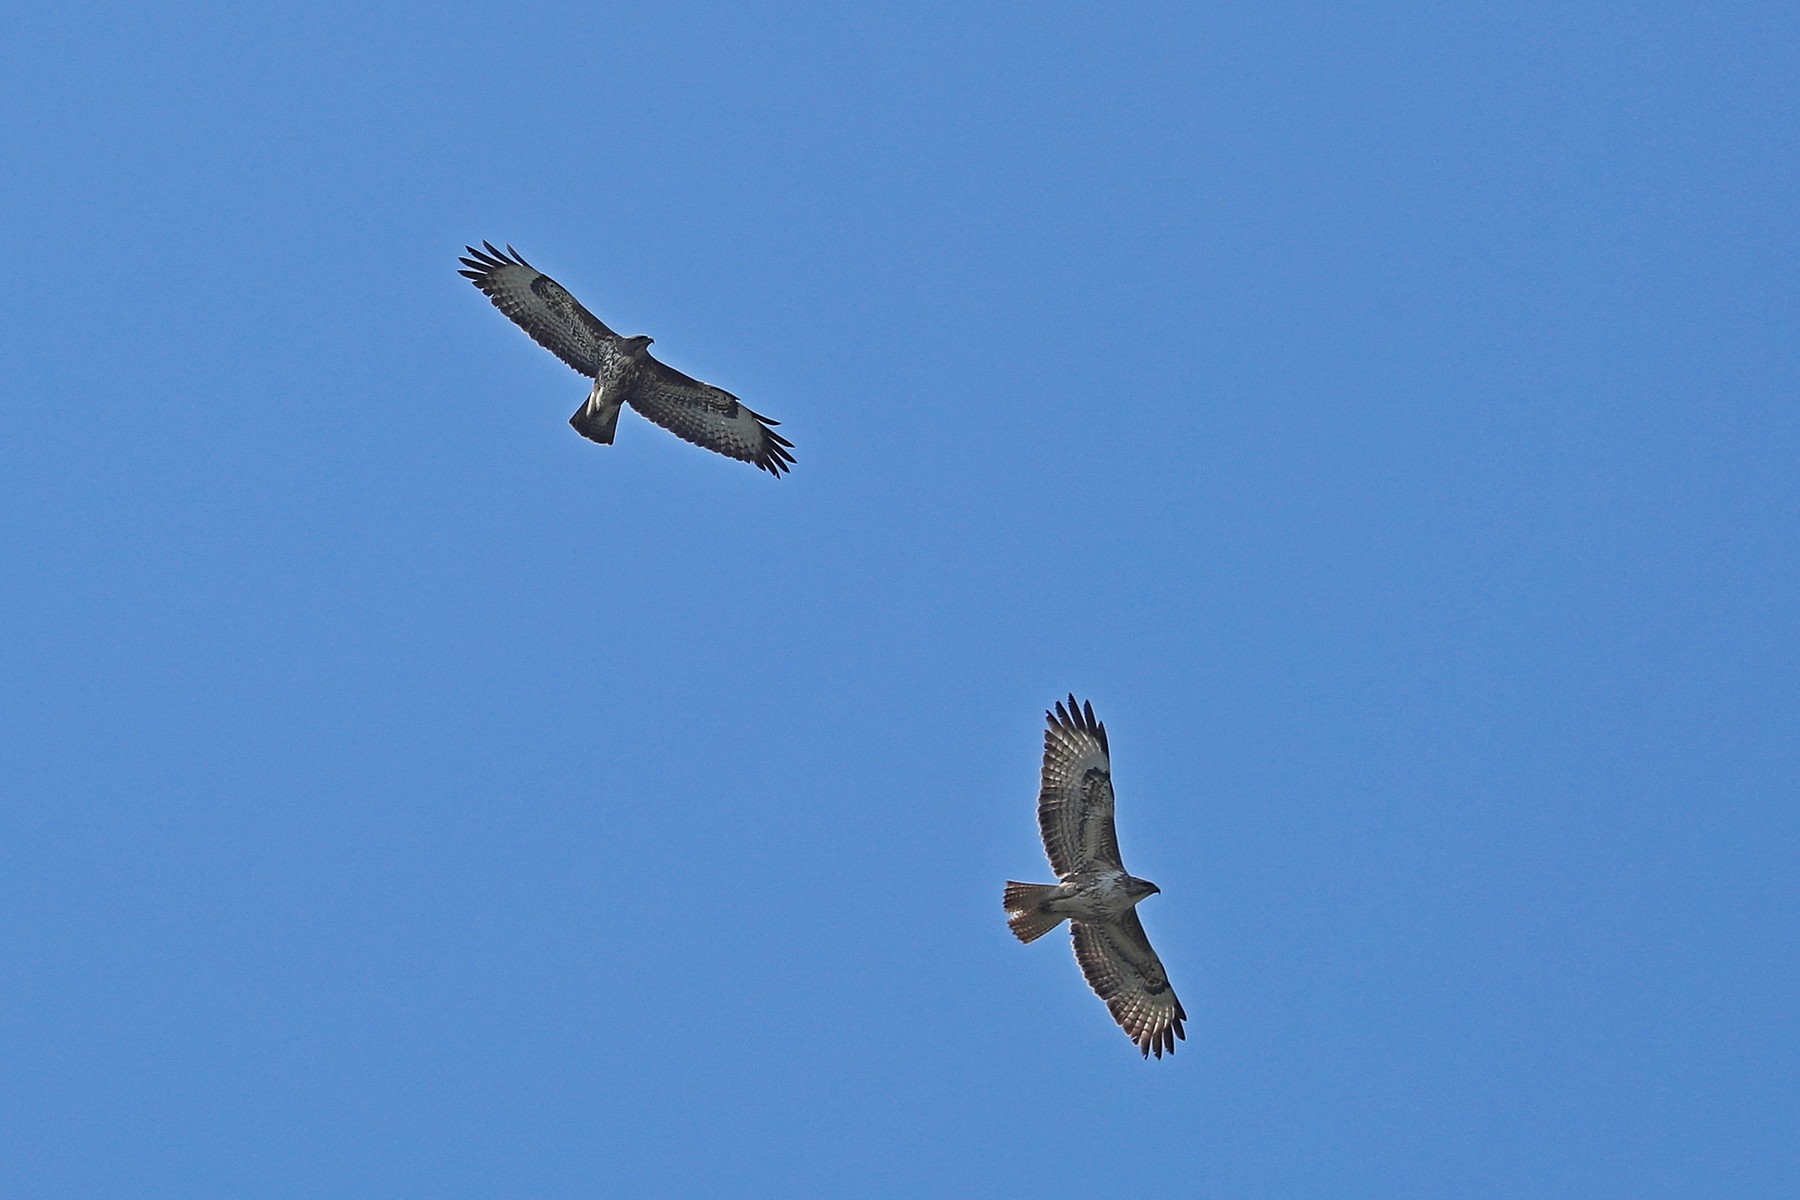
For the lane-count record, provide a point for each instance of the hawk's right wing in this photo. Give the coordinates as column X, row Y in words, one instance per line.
column 1124, row 971
column 1075, row 800
column 544, row 309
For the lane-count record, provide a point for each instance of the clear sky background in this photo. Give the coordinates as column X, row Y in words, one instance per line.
column 1385, row 413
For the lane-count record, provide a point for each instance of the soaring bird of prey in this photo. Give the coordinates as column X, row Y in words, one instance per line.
column 621, row 367
column 1095, row 895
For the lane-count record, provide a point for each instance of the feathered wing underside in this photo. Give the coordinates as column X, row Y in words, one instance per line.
column 696, row 412
column 708, row 416
column 1075, row 799
column 544, row 309
column 1124, row 971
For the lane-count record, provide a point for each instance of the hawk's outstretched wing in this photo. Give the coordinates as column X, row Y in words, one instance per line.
column 1075, row 801
column 1124, row 971
column 544, row 309
column 708, row 416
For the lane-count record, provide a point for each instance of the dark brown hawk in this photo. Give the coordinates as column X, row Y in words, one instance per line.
column 621, row 367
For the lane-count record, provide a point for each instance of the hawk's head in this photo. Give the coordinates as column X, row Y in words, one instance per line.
column 1137, row 888
column 635, row 347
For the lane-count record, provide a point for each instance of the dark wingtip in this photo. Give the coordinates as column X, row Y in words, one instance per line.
column 481, row 263
column 1078, row 715
column 775, row 459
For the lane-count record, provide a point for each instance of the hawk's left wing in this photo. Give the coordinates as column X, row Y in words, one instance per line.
column 1124, row 971
column 708, row 416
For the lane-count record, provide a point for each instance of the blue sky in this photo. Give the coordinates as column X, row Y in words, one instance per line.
column 1384, row 413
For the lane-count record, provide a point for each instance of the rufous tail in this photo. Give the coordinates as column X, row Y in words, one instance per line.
column 1023, row 912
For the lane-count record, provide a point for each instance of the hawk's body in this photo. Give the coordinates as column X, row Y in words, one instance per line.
column 1096, row 895
column 622, row 368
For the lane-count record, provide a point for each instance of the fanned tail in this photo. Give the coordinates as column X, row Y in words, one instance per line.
column 1023, row 911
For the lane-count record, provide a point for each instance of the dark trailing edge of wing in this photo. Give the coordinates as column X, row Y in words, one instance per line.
column 1079, row 719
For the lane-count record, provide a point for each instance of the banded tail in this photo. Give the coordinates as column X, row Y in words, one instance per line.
column 1023, row 909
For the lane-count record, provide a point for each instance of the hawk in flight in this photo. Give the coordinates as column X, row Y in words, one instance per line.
column 621, row 367
column 1096, row 895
